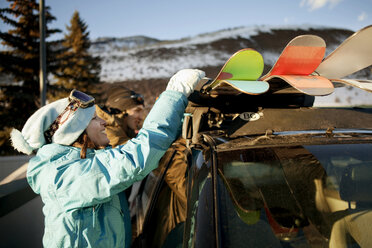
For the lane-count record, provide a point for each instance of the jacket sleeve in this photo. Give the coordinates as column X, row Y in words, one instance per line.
column 91, row 181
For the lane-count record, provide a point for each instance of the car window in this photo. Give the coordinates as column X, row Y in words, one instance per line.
column 164, row 199
column 308, row 193
column 149, row 187
column 345, row 161
column 236, row 231
column 261, row 199
column 199, row 224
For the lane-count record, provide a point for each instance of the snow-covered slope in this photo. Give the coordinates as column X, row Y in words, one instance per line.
column 142, row 58
column 137, row 59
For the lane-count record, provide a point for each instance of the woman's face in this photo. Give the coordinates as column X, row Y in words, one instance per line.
column 96, row 131
column 135, row 117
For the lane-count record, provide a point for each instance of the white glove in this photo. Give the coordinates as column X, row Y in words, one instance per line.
column 185, row 81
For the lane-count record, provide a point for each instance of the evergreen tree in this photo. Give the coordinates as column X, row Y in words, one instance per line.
column 79, row 69
column 20, row 60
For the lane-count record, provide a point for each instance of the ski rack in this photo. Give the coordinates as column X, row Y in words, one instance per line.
column 242, row 115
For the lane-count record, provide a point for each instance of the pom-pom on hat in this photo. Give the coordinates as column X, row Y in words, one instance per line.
column 73, row 118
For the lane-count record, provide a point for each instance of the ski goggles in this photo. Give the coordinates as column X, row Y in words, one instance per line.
column 77, row 100
column 138, row 98
column 81, row 99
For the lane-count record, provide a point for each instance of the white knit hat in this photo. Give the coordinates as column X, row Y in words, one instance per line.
column 32, row 136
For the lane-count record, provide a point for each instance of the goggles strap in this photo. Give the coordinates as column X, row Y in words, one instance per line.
column 71, row 107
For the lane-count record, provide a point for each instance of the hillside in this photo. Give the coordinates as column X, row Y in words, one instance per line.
column 145, row 64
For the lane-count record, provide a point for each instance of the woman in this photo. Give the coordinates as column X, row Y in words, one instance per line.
column 80, row 185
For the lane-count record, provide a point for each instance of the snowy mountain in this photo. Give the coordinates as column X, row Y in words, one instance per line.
column 107, row 44
column 136, row 60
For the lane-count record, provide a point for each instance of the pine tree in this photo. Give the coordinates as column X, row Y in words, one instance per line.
column 20, row 60
column 79, row 68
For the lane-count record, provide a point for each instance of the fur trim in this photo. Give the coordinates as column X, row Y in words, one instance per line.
column 19, row 143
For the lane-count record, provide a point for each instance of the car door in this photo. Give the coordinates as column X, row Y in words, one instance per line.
column 162, row 200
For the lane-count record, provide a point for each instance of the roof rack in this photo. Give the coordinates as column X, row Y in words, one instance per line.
column 235, row 116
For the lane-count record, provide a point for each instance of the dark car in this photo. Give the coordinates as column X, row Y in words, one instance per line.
column 265, row 171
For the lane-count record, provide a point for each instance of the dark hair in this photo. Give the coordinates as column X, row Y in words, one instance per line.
column 84, row 143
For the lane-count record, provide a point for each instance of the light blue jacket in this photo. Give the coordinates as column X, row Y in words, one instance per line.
column 83, row 201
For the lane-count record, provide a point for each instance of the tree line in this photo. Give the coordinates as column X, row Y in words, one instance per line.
column 69, row 64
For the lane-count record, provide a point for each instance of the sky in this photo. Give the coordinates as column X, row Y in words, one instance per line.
column 175, row 19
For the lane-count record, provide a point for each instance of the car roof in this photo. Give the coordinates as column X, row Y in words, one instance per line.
column 233, row 117
column 300, row 119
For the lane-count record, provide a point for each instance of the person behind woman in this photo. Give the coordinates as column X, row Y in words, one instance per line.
column 80, row 180
column 123, row 112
